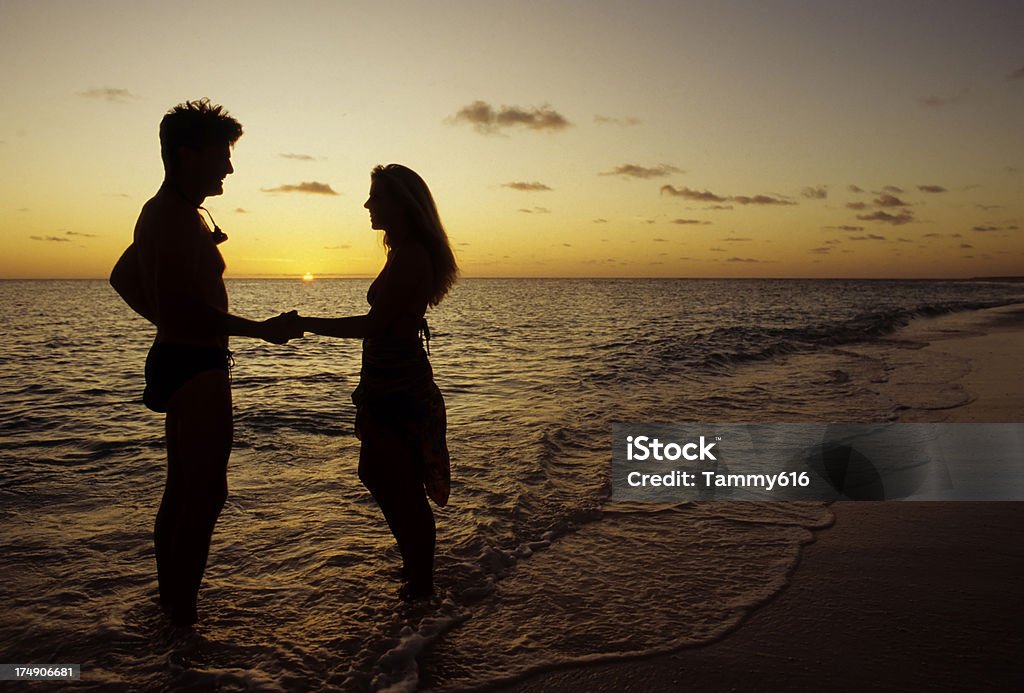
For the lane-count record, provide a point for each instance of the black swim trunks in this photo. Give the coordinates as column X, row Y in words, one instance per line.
column 169, row 366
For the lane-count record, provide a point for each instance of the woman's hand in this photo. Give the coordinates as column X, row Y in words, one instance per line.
column 284, row 327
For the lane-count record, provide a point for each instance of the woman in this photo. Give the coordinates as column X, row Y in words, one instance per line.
column 400, row 415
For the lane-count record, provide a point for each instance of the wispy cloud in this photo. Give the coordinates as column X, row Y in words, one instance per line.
column 734, row 239
column 932, row 188
column 903, row 217
column 536, row 210
column 111, row 94
column 56, row 239
column 886, row 201
column 823, row 250
column 744, row 259
column 845, row 227
column 857, row 205
column 892, row 189
column 310, row 188
column 600, row 221
column 337, row 247
column 608, row 120
column 761, row 200
column 690, row 221
column 700, row 195
column 298, row 157
column 936, row 101
column 241, row 210
column 855, row 188
column 80, row 234
column 966, row 246
column 637, row 171
column 812, row 193
column 708, row 196
column 985, row 229
column 488, row 120
column 868, row 237
column 526, row 187
column 1016, row 74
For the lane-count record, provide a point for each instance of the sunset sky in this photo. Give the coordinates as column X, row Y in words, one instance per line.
column 684, row 139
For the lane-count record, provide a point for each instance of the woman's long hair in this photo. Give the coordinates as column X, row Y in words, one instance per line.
column 415, row 199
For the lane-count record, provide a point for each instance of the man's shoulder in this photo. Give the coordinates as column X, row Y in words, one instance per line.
column 163, row 216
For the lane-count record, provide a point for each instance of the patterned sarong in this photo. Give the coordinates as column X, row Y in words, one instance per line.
column 397, row 393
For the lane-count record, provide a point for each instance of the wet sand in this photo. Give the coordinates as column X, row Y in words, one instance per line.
column 895, row 595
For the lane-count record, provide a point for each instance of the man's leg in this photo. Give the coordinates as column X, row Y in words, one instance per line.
column 199, row 437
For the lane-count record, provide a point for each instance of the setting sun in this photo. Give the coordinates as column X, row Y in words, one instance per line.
column 308, row 277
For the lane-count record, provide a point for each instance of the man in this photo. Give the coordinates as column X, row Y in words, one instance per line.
column 172, row 276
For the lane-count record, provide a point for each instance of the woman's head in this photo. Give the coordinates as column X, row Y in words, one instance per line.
column 401, row 205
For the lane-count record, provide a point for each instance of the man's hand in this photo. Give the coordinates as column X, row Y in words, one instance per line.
column 282, row 328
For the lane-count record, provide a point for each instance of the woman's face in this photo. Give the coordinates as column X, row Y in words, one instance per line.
column 381, row 205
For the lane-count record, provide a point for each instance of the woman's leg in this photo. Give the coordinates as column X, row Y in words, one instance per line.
column 390, row 469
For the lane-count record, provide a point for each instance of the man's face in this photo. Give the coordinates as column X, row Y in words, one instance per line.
column 207, row 166
column 214, row 167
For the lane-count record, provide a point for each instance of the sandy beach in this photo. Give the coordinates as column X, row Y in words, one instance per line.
column 895, row 595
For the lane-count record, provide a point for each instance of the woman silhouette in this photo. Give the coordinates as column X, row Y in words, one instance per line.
column 400, row 414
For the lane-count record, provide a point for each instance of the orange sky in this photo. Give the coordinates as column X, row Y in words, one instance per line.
column 828, row 139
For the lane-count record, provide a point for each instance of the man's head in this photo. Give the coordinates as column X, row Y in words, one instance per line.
column 195, row 144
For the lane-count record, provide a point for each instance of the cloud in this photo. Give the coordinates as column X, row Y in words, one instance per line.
column 80, row 234
column 966, row 245
column 889, row 201
column 241, row 210
column 856, row 205
column 57, row 239
column 526, row 187
column 298, row 157
column 893, row 189
column 904, row 217
column 942, row 101
column 761, row 200
column 932, row 235
column 1016, row 74
column 600, row 221
column 743, row 259
column 869, row 237
column 812, row 193
column 111, row 94
column 338, row 247
column 854, row 189
column 720, row 207
column 845, row 227
column 737, row 240
column 660, row 240
column 702, row 196
column 482, row 116
column 311, row 188
column 932, row 188
column 536, row 210
column 823, row 250
column 690, row 221
column 636, row 171
column 608, row 120
column 983, row 229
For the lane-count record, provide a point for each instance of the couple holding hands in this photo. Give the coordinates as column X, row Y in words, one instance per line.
column 172, row 274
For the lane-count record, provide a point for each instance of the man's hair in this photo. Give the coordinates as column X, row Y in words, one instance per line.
column 196, row 124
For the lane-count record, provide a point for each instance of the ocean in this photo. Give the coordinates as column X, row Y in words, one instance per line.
column 537, row 566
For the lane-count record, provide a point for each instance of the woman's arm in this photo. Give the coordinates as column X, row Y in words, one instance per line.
column 353, row 327
column 398, row 307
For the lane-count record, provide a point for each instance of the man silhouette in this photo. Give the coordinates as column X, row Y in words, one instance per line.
column 172, row 274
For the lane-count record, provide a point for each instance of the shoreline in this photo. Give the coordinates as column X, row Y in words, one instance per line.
column 894, row 595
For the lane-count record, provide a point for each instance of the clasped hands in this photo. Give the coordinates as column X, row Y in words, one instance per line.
column 281, row 329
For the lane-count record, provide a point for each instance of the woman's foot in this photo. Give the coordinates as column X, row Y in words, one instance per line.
column 415, row 591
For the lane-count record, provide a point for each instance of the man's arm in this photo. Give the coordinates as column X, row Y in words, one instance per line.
column 128, row 285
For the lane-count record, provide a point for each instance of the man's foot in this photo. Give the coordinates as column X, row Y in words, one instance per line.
column 414, row 592
column 180, row 614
